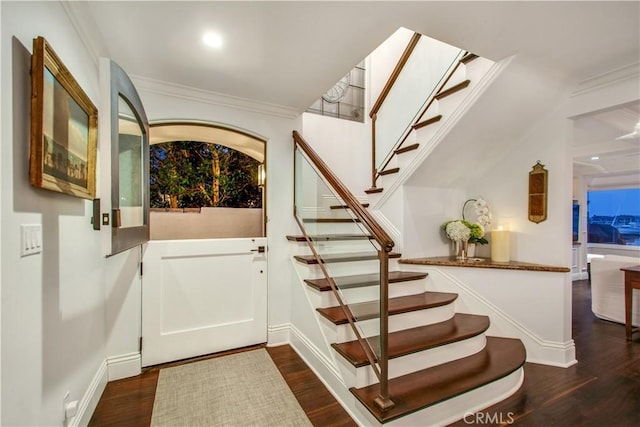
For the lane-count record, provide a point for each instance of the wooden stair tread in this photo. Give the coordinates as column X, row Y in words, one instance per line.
column 370, row 309
column 428, row 121
column 329, row 237
column 342, row 257
column 329, row 220
column 362, row 280
column 468, row 57
column 364, row 205
column 452, row 90
column 407, row 148
column 389, row 171
column 407, row 341
column 374, row 190
column 421, row 389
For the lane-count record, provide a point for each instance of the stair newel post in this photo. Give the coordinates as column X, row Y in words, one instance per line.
column 383, row 401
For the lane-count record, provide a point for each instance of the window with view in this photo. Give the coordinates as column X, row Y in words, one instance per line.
column 201, row 190
column 614, row 216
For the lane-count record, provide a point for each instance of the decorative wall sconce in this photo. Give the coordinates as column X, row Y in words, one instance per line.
column 262, row 175
column 538, row 193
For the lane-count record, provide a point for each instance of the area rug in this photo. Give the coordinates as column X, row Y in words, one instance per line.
column 243, row 389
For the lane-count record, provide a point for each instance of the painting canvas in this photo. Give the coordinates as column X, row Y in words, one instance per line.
column 63, row 128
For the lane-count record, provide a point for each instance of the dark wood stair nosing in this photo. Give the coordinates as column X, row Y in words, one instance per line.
column 329, row 237
column 330, row 220
column 389, row 171
column 468, row 57
column 342, row 257
column 418, row 390
column 364, row 205
column 427, row 122
column 363, row 280
column 407, row 148
column 453, row 89
column 398, row 305
column 373, row 190
column 408, row 341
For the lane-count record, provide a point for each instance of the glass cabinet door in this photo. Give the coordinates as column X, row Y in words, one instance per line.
column 129, row 164
column 131, row 170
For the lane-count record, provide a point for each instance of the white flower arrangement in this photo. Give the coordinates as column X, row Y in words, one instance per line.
column 467, row 231
column 483, row 213
column 457, row 230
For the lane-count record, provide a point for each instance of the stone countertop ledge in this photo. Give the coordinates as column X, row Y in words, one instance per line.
column 474, row 262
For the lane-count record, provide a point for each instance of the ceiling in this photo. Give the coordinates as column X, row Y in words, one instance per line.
column 286, row 54
column 597, row 144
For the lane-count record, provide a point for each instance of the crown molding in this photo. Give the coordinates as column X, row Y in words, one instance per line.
column 189, row 93
column 617, row 75
column 82, row 24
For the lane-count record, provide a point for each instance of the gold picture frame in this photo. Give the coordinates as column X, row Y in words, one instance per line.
column 64, row 126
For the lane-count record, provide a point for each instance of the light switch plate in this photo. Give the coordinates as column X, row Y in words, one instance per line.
column 30, row 239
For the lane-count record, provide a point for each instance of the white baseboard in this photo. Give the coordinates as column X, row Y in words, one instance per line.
column 91, row 397
column 124, row 365
column 278, row 335
column 327, row 373
column 579, row 276
column 552, row 353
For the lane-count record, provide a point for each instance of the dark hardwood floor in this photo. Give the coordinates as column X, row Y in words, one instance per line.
column 603, row 389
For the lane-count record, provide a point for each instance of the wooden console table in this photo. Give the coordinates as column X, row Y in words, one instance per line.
column 631, row 282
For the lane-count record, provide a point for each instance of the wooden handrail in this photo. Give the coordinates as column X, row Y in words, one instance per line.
column 378, row 233
column 394, row 75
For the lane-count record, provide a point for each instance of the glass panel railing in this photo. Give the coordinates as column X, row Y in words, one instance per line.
column 425, row 69
column 339, row 239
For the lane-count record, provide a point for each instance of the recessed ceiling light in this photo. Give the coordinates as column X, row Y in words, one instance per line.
column 595, row 158
column 212, row 40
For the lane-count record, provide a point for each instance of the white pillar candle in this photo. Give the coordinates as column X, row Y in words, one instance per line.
column 500, row 245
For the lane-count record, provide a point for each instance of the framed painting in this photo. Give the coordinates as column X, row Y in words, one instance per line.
column 64, row 126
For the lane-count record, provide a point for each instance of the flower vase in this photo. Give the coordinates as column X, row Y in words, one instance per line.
column 471, row 251
column 462, row 246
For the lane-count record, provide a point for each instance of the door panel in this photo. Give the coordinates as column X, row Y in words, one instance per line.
column 202, row 296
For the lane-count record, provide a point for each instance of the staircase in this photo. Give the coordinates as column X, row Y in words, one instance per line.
column 438, row 361
column 407, row 355
column 463, row 82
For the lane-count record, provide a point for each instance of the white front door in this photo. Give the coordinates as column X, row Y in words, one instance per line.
column 202, row 296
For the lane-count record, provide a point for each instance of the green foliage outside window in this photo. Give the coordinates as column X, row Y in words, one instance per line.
column 187, row 174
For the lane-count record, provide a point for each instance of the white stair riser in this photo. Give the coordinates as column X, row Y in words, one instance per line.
column 466, row 404
column 371, row 293
column 398, row 322
column 458, row 77
column 331, row 247
column 313, row 228
column 364, row 376
column 477, row 68
column 336, row 269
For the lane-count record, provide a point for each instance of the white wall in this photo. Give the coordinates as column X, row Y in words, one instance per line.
column 53, row 314
column 345, row 146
